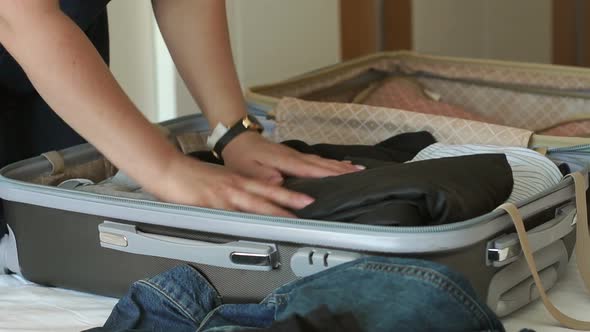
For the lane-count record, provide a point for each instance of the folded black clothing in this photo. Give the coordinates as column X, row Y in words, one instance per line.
column 430, row 192
column 388, row 192
column 399, row 148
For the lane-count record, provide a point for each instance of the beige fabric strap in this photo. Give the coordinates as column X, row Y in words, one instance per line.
column 56, row 160
column 190, row 142
column 165, row 131
column 582, row 250
column 541, row 149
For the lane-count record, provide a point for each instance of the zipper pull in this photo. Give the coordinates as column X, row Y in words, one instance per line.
column 432, row 95
column 271, row 115
column 541, row 149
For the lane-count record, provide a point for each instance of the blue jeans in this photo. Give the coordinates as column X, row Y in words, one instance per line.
column 383, row 294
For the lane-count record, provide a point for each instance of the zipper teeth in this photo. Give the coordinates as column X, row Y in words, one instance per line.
column 573, row 148
column 575, row 93
column 572, row 93
column 248, row 217
column 401, row 55
column 258, row 109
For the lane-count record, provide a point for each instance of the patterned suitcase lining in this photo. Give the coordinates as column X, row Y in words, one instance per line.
column 475, row 86
column 338, row 123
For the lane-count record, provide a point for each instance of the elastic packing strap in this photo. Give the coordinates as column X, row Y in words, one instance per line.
column 582, row 249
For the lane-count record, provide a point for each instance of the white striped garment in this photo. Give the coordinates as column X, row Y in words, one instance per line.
column 532, row 172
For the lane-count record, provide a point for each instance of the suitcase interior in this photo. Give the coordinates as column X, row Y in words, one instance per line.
column 520, row 95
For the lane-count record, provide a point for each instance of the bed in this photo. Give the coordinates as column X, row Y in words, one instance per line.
column 25, row 306
column 28, row 307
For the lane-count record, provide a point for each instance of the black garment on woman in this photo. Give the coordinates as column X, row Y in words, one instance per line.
column 28, row 126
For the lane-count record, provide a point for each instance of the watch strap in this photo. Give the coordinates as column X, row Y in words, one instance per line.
column 247, row 124
column 216, row 135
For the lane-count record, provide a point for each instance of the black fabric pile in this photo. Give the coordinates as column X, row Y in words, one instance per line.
column 392, row 193
column 399, row 148
column 431, row 192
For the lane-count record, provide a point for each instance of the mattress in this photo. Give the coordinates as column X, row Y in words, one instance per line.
column 25, row 306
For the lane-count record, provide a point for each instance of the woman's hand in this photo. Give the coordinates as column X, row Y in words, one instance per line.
column 191, row 182
column 254, row 156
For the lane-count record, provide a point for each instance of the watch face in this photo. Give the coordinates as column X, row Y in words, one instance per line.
column 251, row 122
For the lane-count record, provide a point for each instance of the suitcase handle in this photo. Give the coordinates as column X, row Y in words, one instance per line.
column 507, row 249
column 242, row 255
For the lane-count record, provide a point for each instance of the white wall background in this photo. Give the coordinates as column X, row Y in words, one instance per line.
column 500, row 29
column 271, row 40
column 132, row 52
column 276, row 39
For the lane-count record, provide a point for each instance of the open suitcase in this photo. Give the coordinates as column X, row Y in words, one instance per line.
column 101, row 242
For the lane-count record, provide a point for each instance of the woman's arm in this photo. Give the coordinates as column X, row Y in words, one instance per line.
column 197, row 35
column 70, row 75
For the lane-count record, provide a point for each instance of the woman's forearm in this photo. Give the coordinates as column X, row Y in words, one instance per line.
column 196, row 33
column 71, row 76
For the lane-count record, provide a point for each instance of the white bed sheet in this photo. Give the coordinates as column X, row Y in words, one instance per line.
column 28, row 307
column 569, row 295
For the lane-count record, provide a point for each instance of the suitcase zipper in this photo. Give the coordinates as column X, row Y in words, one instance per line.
column 206, row 212
column 585, row 148
column 573, row 93
column 578, row 154
column 266, row 111
column 299, row 222
column 399, row 71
